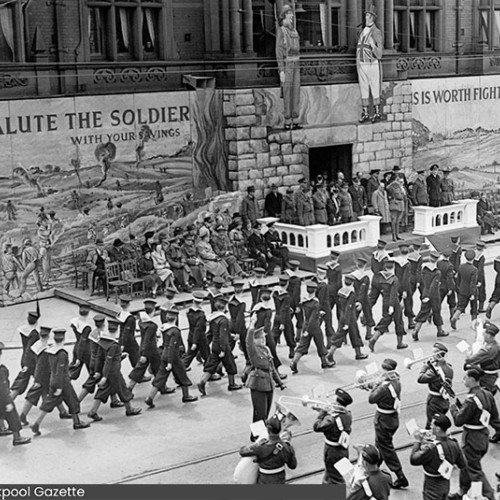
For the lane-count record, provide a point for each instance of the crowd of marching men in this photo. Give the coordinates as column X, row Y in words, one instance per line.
column 283, row 312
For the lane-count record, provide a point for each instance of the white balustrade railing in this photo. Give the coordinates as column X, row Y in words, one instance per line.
column 459, row 215
column 318, row 240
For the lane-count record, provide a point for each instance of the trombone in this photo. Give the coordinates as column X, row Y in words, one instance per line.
column 367, row 382
column 314, row 404
column 287, row 419
column 409, row 363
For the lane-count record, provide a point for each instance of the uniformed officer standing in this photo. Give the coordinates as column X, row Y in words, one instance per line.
column 220, row 350
column 305, row 207
column 8, row 410
column 446, row 189
column 467, row 280
column 375, row 484
column 474, row 415
column 171, row 361
column 336, row 425
column 272, row 454
column 386, row 396
column 127, row 331
column 437, row 456
column 435, row 376
column 311, row 329
column 197, row 337
column 29, row 335
column 283, row 315
column 61, row 388
column 262, row 375
column 430, row 282
column 481, row 279
column 112, row 381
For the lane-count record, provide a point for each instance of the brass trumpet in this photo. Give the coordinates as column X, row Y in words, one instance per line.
column 314, row 404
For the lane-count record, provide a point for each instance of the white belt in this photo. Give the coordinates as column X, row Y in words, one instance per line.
column 386, row 412
column 432, row 475
column 434, row 393
column 272, row 471
column 474, row 427
column 331, row 443
column 491, row 372
column 293, row 58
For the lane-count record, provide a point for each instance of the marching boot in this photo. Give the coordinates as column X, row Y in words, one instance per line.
column 401, row 482
column 376, row 116
column 489, row 310
column 454, row 318
column 298, row 334
column 186, row 397
column 325, row 363
column 233, row 386
column 411, row 324
column 364, row 115
column 359, row 354
column 369, row 334
column 441, row 332
column 480, row 307
column 291, row 352
column 295, row 362
column 373, row 340
column 418, row 326
column 130, row 411
column 330, row 353
column 400, row 344
column 202, row 383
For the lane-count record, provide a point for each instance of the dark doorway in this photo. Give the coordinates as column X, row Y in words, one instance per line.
column 329, row 160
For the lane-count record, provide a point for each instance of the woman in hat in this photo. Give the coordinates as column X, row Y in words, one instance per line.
column 146, row 269
column 161, row 265
column 287, row 57
column 213, row 264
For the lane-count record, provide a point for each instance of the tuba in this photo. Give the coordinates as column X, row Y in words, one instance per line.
column 287, row 419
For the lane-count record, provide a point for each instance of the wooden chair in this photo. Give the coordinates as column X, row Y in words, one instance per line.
column 130, row 275
column 114, row 280
column 80, row 268
column 247, row 264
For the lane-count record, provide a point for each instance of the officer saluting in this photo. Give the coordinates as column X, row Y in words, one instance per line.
column 437, row 457
column 271, row 454
column 336, row 426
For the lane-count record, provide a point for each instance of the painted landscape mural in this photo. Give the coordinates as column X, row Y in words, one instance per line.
column 76, row 169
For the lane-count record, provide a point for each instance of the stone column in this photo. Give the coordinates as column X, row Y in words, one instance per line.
column 352, row 23
column 389, row 24
column 235, row 27
column 379, row 8
column 248, row 26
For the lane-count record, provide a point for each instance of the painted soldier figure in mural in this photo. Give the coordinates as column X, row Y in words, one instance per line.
column 30, row 259
column 287, row 57
column 10, row 267
column 368, row 62
column 11, row 210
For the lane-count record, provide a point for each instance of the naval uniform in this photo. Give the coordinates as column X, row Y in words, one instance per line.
column 12, row 417
column 348, row 323
column 81, row 350
column 197, row 336
column 29, row 335
column 310, row 310
column 97, row 358
column 283, row 316
column 127, row 336
column 41, row 376
column 219, row 328
column 147, row 349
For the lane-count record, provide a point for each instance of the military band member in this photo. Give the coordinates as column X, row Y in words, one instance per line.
column 348, row 324
column 272, row 454
column 362, row 287
column 481, row 279
column 375, row 484
column 263, row 375
column 387, row 396
column 171, row 360
column 60, row 387
column 127, row 330
column 41, row 377
column 391, row 307
column 220, row 349
column 112, row 381
column 447, row 287
column 430, row 282
column 336, row 425
column 311, row 329
column 8, row 410
column 148, row 349
column 438, row 398
column 283, row 315
column 197, row 337
column 402, row 269
column 81, row 351
column 29, row 335
column 467, row 280
column 495, row 296
column 378, row 260
column 478, row 407
column 437, row 457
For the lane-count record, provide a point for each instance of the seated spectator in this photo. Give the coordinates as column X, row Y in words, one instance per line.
column 118, row 252
column 237, row 239
column 319, row 203
column 260, row 251
column 346, row 212
column 288, row 212
column 195, row 264
column 162, row 266
column 96, row 260
column 274, row 243
column 213, row 264
column 485, row 217
column 146, row 270
column 177, row 261
column 222, row 247
column 148, row 237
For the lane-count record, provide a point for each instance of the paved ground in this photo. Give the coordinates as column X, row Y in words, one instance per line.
column 197, row 443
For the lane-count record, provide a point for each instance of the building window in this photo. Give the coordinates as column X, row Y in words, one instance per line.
column 416, row 25
column 489, row 23
column 319, row 25
column 121, row 31
column 11, row 32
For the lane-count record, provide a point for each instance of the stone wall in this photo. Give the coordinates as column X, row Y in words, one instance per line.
column 260, row 155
